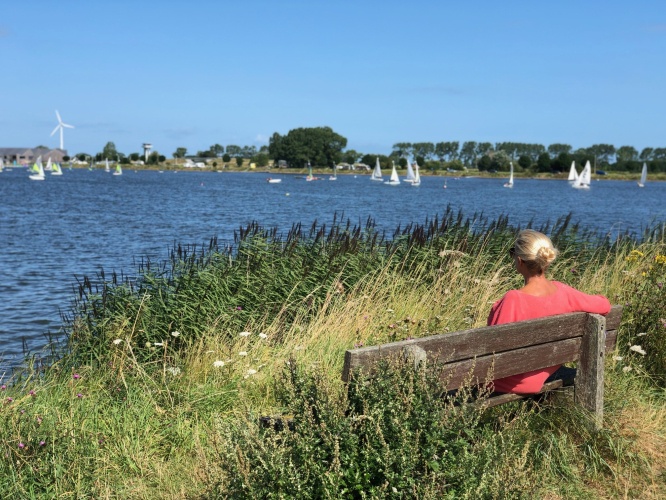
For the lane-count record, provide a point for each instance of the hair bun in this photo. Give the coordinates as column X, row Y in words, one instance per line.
column 545, row 255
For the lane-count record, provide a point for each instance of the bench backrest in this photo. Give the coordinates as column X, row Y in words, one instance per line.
column 507, row 349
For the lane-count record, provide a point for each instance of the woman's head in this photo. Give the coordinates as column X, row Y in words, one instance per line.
column 535, row 250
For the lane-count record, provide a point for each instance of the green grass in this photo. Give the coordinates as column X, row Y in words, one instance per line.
column 161, row 381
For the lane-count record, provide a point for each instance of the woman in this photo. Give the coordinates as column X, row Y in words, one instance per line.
column 532, row 253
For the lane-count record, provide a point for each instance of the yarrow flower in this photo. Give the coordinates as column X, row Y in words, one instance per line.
column 251, row 371
column 263, row 336
column 617, row 358
column 245, row 334
column 642, row 334
column 173, row 370
column 626, row 369
column 638, row 349
column 175, row 334
column 218, row 364
column 158, row 344
column 242, row 353
column 117, row 341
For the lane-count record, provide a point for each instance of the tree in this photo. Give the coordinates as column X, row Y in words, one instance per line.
column 319, row 146
column 233, row 150
column 239, row 161
column 425, row 150
column 468, row 153
column 554, row 150
column 109, row 152
column 626, row 153
column 180, row 153
column 351, row 156
column 217, row 150
column 543, row 163
column 484, row 163
column 525, row 162
column 226, row 158
column 402, row 149
column 447, row 151
column 261, row 159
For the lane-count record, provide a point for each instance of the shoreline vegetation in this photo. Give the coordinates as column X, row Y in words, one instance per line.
column 162, row 375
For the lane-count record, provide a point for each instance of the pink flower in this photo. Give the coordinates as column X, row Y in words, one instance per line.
column 3, row 387
column 9, row 400
column 42, row 443
column 79, row 395
column 76, row 376
column 33, row 393
column 21, row 445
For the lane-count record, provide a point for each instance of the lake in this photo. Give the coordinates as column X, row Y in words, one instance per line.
column 65, row 227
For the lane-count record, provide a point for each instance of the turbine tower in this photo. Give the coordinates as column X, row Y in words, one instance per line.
column 62, row 126
column 146, row 149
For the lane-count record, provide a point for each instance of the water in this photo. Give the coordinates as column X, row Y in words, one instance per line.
column 77, row 224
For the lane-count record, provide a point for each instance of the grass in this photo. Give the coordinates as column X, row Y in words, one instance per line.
column 262, row 330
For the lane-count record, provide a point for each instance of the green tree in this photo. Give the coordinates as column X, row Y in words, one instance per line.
column 525, row 162
column 554, row 150
column 261, row 159
column 351, row 156
column 109, row 152
column 217, row 150
column 239, row 161
column 543, row 163
column 180, row 153
column 320, row 145
column 233, row 150
column 447, row 151
column 226, row 158
column 468, row 153
column 425, row 150
column 485, row 163
column 402, row 149
column 626, row 153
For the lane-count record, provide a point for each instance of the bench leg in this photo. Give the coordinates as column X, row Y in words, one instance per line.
column 589, row 388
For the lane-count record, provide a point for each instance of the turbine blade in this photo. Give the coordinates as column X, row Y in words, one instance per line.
column 58, row 115
column 55, row 129
column 67, row 126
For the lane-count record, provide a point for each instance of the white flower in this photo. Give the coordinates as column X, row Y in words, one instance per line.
column 263, row 336
column 638, row 349
column 617, row 358
column 626, row 369
column 210, row 352
column 389, row 310
column 173, row 370
column 245, row 334
column 117, row 341
column 251, row 371
column 641, row 334
column 242, row 353
column 175, row 334
column 218, row 364
column 158, row 344
column 394, row 489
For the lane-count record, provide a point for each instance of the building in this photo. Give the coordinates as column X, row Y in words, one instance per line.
column 25, row 156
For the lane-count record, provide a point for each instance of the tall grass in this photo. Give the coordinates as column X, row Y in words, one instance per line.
column 164, row 375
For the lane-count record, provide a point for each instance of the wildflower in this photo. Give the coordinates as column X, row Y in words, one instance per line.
column 158, row 344
column 245, row 334
column 263, row 336
column 360, row 344
column 175, row 334
column 641, row 334
column 79, row 395
column 626, row 369
column 251, row 371
column 76, row 376
column 660, row 259
column 617, row 358
column 218, row 364
column 42, row 443
column 638, row 349
column 394, row 489
column 242, row 353
column 660, row 285
column 173, row 370
column 39, row 420
column 9, row 400
column 3, row 387
column 239, row 308
column 32, row 393
column 21, row 445
column 117, row 341
column 389, row 310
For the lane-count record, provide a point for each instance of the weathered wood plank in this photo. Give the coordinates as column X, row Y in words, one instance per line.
column 475, row 371
column 506, row 398
column 589, row 388
column 466, row 344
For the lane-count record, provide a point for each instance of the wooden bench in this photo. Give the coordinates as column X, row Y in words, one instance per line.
column 468, row 356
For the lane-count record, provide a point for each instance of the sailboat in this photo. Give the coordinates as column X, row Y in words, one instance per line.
column 584, row 179
column 417, row 176
column 119, row 170
column 39, row 171
column 394, row 180
column 573, row 174
column 334, row 177
column 410, row 173
column 48, row 166
column 641, row 183
column 377, row 172
column 56, row 169
column 2, row 165
column 309, row 177
column 106, row 166
column 510, row 183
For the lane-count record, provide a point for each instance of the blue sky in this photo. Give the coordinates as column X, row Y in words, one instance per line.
column 192, row 74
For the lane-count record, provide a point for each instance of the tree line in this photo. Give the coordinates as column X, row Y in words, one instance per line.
column 323, row 147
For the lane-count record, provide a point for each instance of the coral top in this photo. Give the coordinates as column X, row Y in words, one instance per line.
column 519, row 306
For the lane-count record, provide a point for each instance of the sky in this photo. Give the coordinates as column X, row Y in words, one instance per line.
column 197, row 73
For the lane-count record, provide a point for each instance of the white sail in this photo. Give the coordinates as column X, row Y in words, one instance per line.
column 585, row 178
column 334, row 177
column 573, row 174
column 119, row 170
column 410, row 173
column 49, row 166
column 38, row 168
column 417, row 176
column 641, row 183
column 2, row 165
column 56, row 169
column 377, row 172
column 394, row 180
column 510, row 183
column 106, row 166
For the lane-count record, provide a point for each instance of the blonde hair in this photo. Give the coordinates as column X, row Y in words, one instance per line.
column 535, row 249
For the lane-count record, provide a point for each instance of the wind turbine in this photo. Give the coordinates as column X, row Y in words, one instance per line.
column 62, row 126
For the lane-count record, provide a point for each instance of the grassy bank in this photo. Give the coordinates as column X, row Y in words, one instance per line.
column 164, row 377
